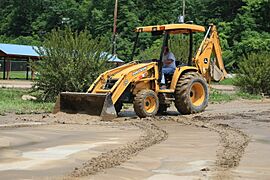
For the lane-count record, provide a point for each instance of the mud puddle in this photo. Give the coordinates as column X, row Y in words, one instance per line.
column 40, row 151
column 34, row 159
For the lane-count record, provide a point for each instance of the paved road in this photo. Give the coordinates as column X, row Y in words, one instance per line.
column 23, row 84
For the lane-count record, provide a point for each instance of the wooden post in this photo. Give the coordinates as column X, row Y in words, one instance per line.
column 4, row 68
column 32, row 72
column 8, row 68
column 27, row 69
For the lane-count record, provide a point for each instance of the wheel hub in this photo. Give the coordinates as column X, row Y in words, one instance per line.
column 197, row 94
column 149, row 104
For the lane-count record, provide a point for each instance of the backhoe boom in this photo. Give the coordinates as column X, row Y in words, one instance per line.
column 211, row 68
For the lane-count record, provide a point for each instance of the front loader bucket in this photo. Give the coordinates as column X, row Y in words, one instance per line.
column 86, row 103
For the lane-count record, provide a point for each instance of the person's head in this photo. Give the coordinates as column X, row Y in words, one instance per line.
column 166, row 50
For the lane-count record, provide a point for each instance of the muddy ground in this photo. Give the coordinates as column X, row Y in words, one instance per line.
column 227, row 141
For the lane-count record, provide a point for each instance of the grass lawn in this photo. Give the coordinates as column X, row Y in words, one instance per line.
column 217, row 96
column 228, row 81
column 17, row 75
column 11, row 101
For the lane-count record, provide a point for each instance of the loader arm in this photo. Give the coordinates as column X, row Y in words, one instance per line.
column 107, row 89
column 121, row 77
column 100, row 80
column 211, row 69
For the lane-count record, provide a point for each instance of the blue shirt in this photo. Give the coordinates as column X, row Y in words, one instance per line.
column 169, row 69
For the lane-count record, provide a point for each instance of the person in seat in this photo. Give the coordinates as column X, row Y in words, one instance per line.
column 168, row 66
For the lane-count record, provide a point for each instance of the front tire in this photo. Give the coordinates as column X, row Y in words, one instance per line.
column 146, row 103
column 191, row 93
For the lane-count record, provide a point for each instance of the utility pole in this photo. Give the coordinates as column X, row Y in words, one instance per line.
column 181, row 18
column 114, row 27
column 184, row 9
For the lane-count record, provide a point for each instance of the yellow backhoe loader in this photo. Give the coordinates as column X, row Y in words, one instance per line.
column 138, row 82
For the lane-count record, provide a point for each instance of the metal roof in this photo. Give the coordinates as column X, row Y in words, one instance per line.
column 180, row 28
column 18, row 50
column 111, row 58
column 115, row 59
column 14, row 50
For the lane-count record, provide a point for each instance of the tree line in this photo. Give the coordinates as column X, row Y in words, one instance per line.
column 243, row 24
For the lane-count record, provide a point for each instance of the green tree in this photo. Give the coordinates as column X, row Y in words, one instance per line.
column 20, row 16
column 253, row 76
column 70, row 62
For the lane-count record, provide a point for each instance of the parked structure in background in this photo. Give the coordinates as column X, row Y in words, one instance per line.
column 11, row 55
column 20, row 54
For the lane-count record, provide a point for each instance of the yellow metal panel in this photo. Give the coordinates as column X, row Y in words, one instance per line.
column 99, row 82
column 141, row 85
column 129, row 69
column 131, row 76
column 181, row 28
column 166, row 90
column 178, row 72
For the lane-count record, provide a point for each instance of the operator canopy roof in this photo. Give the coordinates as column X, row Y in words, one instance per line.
column 173, row 28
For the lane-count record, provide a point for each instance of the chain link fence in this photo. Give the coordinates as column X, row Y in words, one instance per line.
column 18, row 69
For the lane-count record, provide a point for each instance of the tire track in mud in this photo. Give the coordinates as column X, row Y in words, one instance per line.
column 152, row 135
column 229, row 153
column 231, row 146
column 230, row 150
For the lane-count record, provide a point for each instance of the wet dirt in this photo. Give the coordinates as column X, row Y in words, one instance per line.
column 231, row 146
column 152, row 135
column 232, row 141
column 217, row 144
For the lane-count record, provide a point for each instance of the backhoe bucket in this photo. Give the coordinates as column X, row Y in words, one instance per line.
column 86, row 103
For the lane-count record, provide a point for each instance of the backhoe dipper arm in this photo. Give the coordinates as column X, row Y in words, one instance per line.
column 211, row 70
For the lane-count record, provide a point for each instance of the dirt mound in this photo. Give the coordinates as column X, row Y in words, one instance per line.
column 152, row 135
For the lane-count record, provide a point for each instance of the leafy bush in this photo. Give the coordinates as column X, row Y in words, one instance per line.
column 253, row 76
column 71, row 62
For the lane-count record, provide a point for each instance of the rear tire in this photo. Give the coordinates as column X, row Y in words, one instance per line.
column 146, row 103
column 191, row 93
